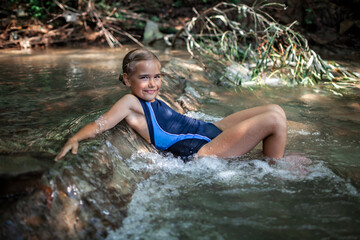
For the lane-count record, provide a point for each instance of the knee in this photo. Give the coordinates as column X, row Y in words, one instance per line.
column 277, row 120
column 278, row 110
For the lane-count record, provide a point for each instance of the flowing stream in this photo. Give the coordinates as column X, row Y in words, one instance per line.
column 120, row 187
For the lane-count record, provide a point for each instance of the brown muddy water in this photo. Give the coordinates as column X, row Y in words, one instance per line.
column 119, row 187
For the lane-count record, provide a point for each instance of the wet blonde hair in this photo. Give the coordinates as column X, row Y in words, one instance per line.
column 134, row 56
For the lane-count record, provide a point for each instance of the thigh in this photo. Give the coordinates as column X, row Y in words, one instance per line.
column 243, row 115
column 239, row 138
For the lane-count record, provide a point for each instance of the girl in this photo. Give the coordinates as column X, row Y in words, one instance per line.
column 168, row 130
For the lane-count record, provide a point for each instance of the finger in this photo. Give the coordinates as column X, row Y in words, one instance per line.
column 75, row 148
column 58, row 157
column 62, row 153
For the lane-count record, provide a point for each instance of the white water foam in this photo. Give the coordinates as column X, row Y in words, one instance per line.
column 202, row 116
column 156, row 211
column 303, row 132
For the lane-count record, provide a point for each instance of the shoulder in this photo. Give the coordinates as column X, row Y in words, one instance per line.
column 130, row 98
column 125, row 103
column 131, row 101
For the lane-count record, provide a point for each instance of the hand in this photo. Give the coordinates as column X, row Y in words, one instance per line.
column 70, row 144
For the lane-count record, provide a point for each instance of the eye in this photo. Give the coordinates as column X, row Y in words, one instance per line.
column 144, row 77
column 158, row 76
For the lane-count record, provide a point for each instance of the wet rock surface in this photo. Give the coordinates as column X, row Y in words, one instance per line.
column 20, row 173
column 82, row 195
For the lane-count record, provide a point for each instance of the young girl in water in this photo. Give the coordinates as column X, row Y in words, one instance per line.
column 170, row 131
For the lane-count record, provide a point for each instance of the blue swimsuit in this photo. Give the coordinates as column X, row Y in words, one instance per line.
column 174, row 132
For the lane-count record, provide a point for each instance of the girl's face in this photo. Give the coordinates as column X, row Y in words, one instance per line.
column 145, row 81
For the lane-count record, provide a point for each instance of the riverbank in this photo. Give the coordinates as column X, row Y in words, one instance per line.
column 332, row 25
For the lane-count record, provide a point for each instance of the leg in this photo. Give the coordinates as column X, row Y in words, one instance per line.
column 267, row 124
column 240, row 116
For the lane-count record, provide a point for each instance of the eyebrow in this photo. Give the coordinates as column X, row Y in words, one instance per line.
column 147, row 74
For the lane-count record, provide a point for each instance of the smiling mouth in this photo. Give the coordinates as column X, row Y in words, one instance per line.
column 150, row 91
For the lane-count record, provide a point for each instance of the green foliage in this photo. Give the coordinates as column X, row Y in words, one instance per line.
column 102, row 4
column 229, row 34
column 140, row 10
column 34, row 8
column 120, row 16
column 155, row 19
column 177, row 3
column 309, row 16
column 140, row 25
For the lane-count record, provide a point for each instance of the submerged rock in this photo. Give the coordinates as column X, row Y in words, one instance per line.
column 351, row 174
column 20, row 173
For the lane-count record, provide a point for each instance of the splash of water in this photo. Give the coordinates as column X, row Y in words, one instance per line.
column 175, row 201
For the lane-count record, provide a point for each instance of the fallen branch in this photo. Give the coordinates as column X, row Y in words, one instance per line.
column 231, row 33
column 77, row 23
column 111, row 40
column 120, row 31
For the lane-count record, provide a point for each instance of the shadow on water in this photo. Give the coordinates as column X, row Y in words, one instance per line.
column 120, row 187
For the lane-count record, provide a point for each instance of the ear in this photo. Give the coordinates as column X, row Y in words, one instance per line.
column 126, row 80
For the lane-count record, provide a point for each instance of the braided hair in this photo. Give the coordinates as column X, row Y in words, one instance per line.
column 134, row 56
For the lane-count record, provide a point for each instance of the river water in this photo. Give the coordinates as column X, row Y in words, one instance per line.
column 119, row 187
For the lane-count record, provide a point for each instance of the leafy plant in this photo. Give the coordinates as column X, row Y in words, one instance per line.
column 236, row 33
column 177, row 3
column 39, row 9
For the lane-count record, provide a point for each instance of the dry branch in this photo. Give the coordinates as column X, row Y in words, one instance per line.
column 79, row 25
column 232, row 33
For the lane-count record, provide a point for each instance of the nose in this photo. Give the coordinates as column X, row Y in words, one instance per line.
column 151, row 82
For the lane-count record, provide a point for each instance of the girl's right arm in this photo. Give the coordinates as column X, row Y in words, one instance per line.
column 120, row 110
